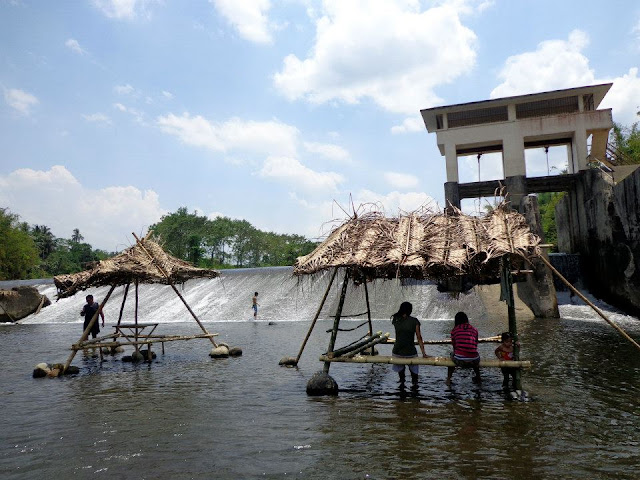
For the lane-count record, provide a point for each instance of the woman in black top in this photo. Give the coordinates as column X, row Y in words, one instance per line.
column 407, row 328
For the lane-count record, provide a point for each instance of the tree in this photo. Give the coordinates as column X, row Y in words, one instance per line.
column 18, row 252
column 44, row 240
column 76, row 237
column 627, row 141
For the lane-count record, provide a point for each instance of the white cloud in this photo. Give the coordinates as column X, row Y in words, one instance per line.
column 74, row 46
column 123, row 89
column 135, row 113
column 328, row 150
column 122, row 9
column 410, row 124
column 97, row 118
column 105, row 217
column 403, row 181
column 167, row 95
column 298, row 176
column 269, row 138
column 394, row 202
column 395, row 55
column 248, row 17
column 20, row 100
column 624, row 98
column 557, row 64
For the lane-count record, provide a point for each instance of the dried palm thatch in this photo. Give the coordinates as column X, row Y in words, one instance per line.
column 424, row 245
column 131, row 265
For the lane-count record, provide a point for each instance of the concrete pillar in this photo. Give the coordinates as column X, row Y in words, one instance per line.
column 516, row 188
column 537, row 291
column 513, row 156
column 580, row 146
column 451, row 157
column 452, row 194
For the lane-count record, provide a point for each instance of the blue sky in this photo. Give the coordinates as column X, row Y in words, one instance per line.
column 115, row 112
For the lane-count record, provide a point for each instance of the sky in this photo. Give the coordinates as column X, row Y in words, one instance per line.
column 288, row 114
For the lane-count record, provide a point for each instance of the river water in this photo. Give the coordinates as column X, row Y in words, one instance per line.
column 189, row 416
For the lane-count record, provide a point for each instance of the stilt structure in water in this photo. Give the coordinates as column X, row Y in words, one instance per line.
column 144, row 262
column 452, row 248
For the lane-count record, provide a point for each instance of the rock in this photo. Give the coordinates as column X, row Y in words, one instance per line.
column 72, row 370
column 288, row 361
column 221, row 351
column 235, row 352
column 20, row 302
column 54, row 372
column 41, row 370
column 115, row 350
column 127, row 358
column 322, row 384
column 106, row 351
column 145, row 354
column 137, row 357
column 223, row 344
column 271, row 323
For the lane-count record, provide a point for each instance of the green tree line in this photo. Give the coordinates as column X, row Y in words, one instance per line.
column 34, row 252
column 226, row 243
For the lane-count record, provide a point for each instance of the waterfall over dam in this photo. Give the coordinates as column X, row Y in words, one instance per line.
column 282, row 298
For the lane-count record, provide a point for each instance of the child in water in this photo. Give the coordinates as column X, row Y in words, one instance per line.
column 505, row 352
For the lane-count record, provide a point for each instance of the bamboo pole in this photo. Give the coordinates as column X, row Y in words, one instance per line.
column 354, row 346
column 136, row 314
column 124, row 299
column 433, row 361
column 366, row 297
column 315, row 318
column 155, row 262
column 511, row 310
column 370, row 344
column 145, row 342
column 586, row 300
column 446, row 341
column 86, row 331
column 336, row 322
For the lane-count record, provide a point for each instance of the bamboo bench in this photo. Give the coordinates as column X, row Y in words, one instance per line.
column 434, row 361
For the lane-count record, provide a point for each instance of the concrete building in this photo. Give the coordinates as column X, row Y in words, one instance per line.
column 511, row 125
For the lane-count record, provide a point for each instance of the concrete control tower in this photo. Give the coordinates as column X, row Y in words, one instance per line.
column 512, row 124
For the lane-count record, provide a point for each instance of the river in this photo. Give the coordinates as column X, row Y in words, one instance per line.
column 189, row 416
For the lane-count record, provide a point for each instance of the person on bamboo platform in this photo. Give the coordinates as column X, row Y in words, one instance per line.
column 464, row 338
column 505, row 352
column 407, row 328
column 87, row 312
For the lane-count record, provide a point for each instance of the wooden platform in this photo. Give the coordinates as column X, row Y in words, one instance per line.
column 433, row 361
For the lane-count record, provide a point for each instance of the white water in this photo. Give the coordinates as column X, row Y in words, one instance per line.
column 284, row 298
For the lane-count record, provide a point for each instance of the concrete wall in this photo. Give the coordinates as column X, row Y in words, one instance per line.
column 601, row 221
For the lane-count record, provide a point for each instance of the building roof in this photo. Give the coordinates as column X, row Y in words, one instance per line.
column 598, row 91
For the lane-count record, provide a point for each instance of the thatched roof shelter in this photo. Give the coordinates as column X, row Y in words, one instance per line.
column 131, row 265
column 424, row 245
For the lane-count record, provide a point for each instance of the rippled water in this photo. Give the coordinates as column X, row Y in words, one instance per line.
column 188, row 416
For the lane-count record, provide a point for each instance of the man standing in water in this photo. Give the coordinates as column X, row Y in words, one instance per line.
column 88, row 311
column 255, row 305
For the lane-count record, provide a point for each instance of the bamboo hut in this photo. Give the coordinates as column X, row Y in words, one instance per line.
column 452, row 248
column 144, row 262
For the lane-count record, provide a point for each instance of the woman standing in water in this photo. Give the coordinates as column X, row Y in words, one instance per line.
column 407, row 328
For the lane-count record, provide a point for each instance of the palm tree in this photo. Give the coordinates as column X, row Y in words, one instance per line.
column 76, row 237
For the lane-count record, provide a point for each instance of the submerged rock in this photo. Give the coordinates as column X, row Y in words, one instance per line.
column 235, row 352
column 145, row 354
column 72, row 370
column 41, row 370
column 288, row 361
column 322, row 384
column 136, row 357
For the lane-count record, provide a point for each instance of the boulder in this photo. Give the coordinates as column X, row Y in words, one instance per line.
column 288, row 361
column 137, row 357
column 145, row 354
column 220, row 351
column 235, row 352
column 20, row 302
column 322, row 384
column 72, row 370
column 41, row 370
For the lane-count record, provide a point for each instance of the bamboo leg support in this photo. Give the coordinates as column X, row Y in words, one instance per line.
column 174, row 288
column 315, row 318
column 366, row 296
column 336, row 322
column 586, row 300
column 85, row 334
column 124, row 299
